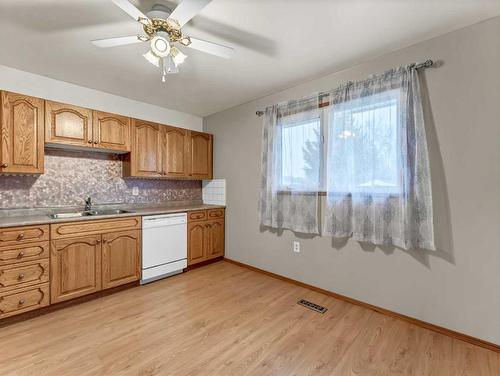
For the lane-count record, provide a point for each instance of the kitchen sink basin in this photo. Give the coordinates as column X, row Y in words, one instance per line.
column 108, row 212
column 69, row 215
column 88, row 213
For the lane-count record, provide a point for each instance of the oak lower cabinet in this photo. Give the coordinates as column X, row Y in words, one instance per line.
column 24, row 269
column 206, row 237
column 121, row 258
column 76, row 267
column 106, row 254
column 21, row 134
column 216, row 238
column 197, row 242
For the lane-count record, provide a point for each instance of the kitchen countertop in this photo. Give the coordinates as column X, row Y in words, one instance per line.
column 42, row 217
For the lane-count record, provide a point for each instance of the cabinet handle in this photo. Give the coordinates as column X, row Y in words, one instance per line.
column 97, row 242
column 21, row 301
column 20, row 236
column 4, row 165
column 90, row 141
column 20, row 276
column 96, row 142
column 20, row 255
column 104, row 240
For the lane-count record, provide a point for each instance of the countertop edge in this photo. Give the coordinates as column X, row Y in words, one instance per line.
column 6, row 222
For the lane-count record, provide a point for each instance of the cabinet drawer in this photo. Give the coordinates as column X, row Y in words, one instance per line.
column 28, row 252
column 215, row 213
column 23, row 274
column 199, row 215
column 25, row 234
column 24, row 300
column 74, row 229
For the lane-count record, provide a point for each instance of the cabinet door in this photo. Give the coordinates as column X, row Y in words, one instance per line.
column 68, row 125
column 200, row 155
column 111, row 131
column 146, row 149
column 216, row 239
column 175, row 152
column 121, row 258
column 22, row 142
column 75, row 267
column 197, row 242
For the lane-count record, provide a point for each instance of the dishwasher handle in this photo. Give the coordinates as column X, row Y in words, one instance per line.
column 164, row 220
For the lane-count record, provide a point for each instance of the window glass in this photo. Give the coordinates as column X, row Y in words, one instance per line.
column 301, row 154
column 363, row 145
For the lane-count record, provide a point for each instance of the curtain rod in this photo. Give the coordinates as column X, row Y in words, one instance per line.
column 426, row 64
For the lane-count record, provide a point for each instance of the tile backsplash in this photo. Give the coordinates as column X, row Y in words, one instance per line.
column 214, row 191
column 71, row 176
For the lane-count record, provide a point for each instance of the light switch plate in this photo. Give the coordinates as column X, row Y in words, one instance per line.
column 135, row 191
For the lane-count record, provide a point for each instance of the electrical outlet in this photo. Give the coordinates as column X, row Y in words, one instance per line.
column 135, row 191
column 296, row 247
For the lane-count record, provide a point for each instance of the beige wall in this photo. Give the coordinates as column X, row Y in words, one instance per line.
column 27, row 83
column 457, row 287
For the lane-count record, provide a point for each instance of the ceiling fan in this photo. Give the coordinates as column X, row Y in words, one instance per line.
column 162, row 28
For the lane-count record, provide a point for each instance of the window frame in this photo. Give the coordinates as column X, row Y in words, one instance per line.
column 284, row 189
column 325, row 109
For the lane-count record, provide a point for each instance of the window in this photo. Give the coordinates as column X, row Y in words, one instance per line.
column 362, row 153
column 301, row 155
column 363, row 149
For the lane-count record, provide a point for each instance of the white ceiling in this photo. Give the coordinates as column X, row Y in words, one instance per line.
column 278, row 43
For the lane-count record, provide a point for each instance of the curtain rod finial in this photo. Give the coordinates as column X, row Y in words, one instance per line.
column 259, row 113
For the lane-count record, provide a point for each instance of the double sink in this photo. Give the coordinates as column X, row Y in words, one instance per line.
column 88, row 213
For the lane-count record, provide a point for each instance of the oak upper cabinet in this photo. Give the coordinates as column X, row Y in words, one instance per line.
column 175, row 152
column 75, row 267
column 200, row 155
column 68, row 125
column 111, row 131
column 145, row 159
column 21, row 132
column 121, row 258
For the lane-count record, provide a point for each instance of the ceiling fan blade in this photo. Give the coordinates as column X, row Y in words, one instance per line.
column 119, row 41
column 131, row 10
column 187, row 10
column 211, row 48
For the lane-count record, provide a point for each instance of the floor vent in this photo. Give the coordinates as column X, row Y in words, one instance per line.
column 311, row 305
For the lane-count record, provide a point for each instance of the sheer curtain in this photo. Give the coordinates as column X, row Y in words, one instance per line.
column 291, row 164
column 378, row 177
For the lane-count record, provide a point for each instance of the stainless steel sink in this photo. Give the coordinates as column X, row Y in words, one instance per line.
column 89, row 213
column 108, row 212
column 69, row 215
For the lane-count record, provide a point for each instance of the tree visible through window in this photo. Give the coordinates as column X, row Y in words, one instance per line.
column 301, row 155
column 363, row 147
column 362, row 152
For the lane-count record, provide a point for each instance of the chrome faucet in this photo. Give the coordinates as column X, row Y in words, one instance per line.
column 88, row 204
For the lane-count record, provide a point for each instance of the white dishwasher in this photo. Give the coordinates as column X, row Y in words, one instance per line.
column 164, row 246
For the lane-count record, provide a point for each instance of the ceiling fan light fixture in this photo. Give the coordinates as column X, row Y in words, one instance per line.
column 185, row 41
column 152, row 58
column 177, row 56
column 160, row 46
column 169, row 66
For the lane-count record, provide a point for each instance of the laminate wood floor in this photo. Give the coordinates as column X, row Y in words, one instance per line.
column 221, row 320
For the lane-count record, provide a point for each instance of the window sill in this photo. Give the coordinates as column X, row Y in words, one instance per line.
column 340, row 194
